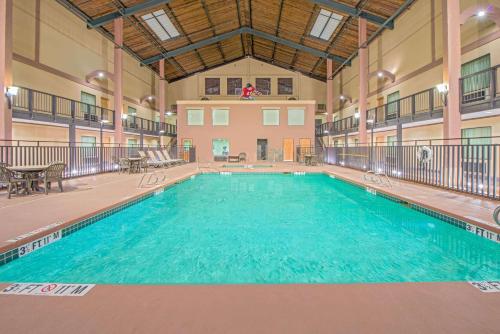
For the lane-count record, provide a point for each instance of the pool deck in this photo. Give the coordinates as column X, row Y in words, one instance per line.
column 355, row 308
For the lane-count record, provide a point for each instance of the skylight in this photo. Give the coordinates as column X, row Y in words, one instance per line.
column 161, row 25
column 325, row 24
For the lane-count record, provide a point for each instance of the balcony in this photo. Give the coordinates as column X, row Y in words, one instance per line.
column 478, row 92
column 30, row 104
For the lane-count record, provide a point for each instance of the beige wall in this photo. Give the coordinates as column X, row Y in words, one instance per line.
column 413, row 53
column 55, row 55
column 193, row 87
column 245, row 126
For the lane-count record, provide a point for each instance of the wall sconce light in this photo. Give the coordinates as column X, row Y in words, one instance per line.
column 148, row 98
column 481, row 13
column 383, row 74
column 169, row 113
column 124, row 116
column 344, row 98
column 11, row 91
column 443, row 92
column 99, row 74
column 356, row 115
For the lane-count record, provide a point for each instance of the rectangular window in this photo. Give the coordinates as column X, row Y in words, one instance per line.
column 285, row 86
column 484, row 132
column 263, row 85
column 475, row 136
column 476, row 83
column 132, row 142
column 195, row 117
column 212, row 86
column 392, row 140
column 88, row 103
column 88, row 141
column 271, row 116
column 392, row 105
column 220, row 147
column 325, row 24
column 234, row 86
column 295, row 116
column 161, row 25
column 220, row 117
column 131, row 111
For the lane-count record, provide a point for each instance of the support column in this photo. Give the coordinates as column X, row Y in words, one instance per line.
column 363, row 79
column 329, row 90
column 5, row 69
column 451, row 68
column 118, row 83
column 161, row 98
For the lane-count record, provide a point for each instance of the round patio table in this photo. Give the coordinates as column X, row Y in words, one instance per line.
column 29, row 173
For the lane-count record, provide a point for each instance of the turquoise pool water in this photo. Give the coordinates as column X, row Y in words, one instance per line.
column 249, row 228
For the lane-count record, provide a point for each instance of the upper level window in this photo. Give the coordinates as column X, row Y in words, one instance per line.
column 131, row 111
column 161, row 25
column 477, row 136
column 271, row 116
column 212, row 86
column 220, row 117
column 234, row 86
column 195, row 116
column 325, row 24
column 295, row 116
column 89, row 101
column 263, row 85
column 476, row 83
column 285, row 86
column 392, row 105
column 88, row 141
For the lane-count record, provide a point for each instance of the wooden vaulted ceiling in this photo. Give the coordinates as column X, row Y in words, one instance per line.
column 198, row 20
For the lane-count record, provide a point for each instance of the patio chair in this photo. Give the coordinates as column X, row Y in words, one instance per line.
column 143, row 164
column 123, row 165
column 168, row 158
column 242, row 157
column 53, row 173
column 10, row 180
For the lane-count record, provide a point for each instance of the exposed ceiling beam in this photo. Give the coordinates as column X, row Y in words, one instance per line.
column 353, row 11
column 236, row 32
column 100, row 21
column 278, row 27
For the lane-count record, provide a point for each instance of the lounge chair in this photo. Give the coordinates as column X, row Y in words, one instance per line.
column 151, row 162
column 10, row 180
column 167, row 156
column 160, row 162
column 53, row 173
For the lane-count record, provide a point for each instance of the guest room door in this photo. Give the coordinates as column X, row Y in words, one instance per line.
column 288, row 149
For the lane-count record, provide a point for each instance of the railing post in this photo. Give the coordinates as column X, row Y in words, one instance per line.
column 413, row 107
column 30, row 102
column 54, row 107
column 493, row 87
column 72, row 106
column 431, row 101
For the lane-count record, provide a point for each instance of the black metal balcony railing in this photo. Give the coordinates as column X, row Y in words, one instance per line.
column 35, row 105
column 478, row 92
column 473, row 169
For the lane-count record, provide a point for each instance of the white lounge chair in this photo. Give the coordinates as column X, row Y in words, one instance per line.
column 149, row 161
column 168, row 158
column 161, row 162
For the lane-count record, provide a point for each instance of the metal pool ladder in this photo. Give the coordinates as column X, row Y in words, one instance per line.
column 496, row 213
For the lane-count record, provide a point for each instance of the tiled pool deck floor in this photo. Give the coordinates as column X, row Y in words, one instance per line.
column 356, row 308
